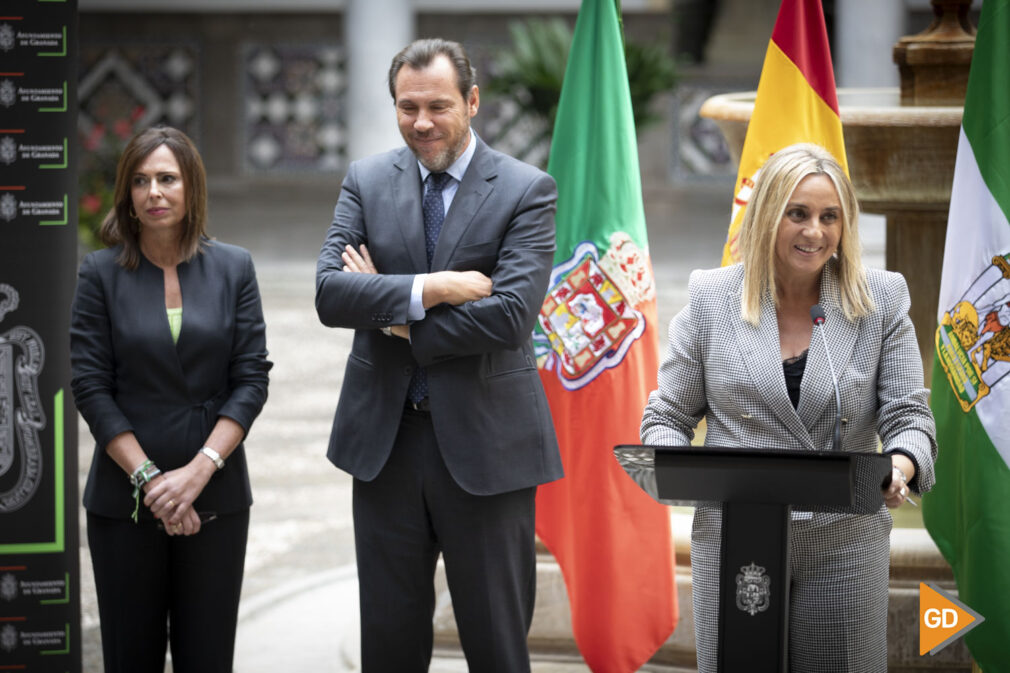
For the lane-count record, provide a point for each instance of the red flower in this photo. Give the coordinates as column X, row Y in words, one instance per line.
column 123, row 128
column 94, row 138
column 91, row 204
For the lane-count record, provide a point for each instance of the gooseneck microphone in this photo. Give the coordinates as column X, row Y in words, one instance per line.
column 817, row 315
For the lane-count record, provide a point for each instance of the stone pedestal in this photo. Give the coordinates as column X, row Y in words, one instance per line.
column 915, row 243
column 934, row 64
column 934, row 72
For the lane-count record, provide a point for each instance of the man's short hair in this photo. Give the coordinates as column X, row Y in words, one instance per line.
column 420, row 53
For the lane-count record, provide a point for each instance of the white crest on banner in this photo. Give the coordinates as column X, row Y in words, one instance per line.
column 589, row 319
column 22, row 357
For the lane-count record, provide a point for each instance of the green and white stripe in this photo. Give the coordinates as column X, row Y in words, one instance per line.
column 968, row 511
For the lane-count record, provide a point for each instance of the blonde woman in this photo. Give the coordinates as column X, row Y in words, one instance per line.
column 742, row 355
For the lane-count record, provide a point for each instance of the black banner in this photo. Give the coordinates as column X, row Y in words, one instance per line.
column 39, row 566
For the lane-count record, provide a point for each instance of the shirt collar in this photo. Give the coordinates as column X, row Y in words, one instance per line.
column 458, row 167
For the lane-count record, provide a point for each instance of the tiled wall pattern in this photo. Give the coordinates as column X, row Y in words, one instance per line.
column 293, row 108
column 124, row 87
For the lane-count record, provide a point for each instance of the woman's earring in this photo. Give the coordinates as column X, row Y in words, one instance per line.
column 133, row 213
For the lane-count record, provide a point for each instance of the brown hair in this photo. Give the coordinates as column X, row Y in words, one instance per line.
column 122, row 228
column 775, row 183
column 420, row 53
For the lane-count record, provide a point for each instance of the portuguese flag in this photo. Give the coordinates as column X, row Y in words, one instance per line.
column 968, row 510
column 795, row 102
column 597, row 350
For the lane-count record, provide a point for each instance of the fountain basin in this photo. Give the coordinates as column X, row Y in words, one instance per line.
column 900, row 157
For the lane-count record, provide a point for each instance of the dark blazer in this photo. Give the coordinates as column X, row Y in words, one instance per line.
column 127, row 375
column 488, row 406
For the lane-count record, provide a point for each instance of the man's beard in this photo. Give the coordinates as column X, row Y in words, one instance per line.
column 442, row 160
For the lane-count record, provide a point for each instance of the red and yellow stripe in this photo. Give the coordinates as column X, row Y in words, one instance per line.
column 796, row 102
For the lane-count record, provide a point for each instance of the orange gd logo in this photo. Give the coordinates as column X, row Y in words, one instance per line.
column 942, row 618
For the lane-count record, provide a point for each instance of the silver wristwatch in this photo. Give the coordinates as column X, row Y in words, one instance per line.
column 214, row 456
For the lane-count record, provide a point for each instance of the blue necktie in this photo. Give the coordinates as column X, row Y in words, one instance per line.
column 433, row 209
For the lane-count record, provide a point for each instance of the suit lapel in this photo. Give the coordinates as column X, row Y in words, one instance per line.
column 473, row 191
column 817, row 392
column 405, row 187
column 762, row 355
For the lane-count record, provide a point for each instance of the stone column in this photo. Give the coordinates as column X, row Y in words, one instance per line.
column 374, row 31
column 865, row 33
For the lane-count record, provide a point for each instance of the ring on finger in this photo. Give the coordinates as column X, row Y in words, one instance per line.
column 171, row 503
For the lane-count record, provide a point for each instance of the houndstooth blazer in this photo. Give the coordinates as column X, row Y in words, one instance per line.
column 722, row 368
column 730, row 372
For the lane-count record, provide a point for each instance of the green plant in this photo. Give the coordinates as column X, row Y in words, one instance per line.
column 527, row 77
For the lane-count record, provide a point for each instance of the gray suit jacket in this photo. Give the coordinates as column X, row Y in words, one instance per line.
column 488, row 406
column 729, row 371
column 128, row 376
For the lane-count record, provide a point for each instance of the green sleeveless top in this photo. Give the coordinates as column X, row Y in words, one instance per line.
column 174, row 322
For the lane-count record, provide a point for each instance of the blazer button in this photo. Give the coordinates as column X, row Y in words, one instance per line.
column 408, row 371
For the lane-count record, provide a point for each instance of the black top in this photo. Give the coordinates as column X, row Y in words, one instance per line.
column 793, row 369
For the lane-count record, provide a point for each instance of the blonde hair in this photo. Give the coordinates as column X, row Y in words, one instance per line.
column 775, row 184
column 120, row 226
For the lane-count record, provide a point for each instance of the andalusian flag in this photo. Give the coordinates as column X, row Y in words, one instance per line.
column 968, row 511
column 598, row 351
column 795, row 103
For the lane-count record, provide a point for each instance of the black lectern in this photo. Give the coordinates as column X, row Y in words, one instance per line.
column 758, row 490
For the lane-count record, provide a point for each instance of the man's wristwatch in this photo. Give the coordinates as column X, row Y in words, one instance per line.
column 214, row 456
column 388, row 331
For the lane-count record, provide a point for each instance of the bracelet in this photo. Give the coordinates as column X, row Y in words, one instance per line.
column 141, row 476
column 901, row 472
column 214, row 456
column 144, row 473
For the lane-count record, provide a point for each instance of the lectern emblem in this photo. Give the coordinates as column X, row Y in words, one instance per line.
column 21, row 358
column 753, row 589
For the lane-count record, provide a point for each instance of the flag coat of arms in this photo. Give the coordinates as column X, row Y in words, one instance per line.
column 796, row 102
column 597, row 350
column 968, row 510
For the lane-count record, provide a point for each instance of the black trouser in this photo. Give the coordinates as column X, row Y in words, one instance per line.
column 402, row 520
column 153, row 588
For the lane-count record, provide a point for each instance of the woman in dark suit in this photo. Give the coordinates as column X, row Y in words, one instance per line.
column 742, row 355
column 169, row 365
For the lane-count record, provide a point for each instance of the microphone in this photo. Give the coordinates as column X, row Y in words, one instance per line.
column 817, row 316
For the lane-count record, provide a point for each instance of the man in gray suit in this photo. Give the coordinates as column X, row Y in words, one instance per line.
column 438, row 257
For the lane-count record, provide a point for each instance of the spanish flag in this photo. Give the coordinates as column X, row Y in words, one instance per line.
column 796, row 102
column 597, row 349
